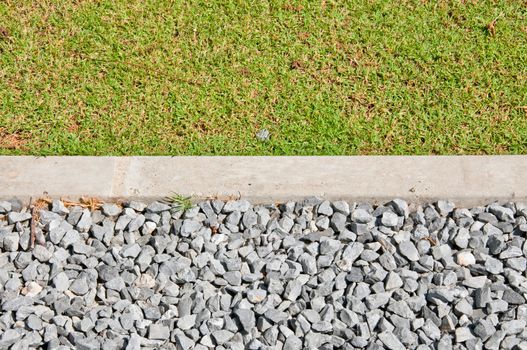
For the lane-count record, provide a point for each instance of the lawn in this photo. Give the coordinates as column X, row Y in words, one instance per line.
column 150, row 77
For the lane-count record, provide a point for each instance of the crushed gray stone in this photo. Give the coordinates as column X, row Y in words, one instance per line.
column 314, row 274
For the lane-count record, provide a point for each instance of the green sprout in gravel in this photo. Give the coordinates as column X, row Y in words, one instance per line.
column 179, row 201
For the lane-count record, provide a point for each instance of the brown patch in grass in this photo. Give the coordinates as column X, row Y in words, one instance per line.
column 497, row 119
column 4, row 34
column 501, row 149
column 13, row 140
column 74, row 125
column 293, row 8
column 303, row 36
column 201, row 126
column 245, row 71
column 297, row 65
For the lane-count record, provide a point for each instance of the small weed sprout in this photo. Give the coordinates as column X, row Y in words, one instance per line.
column 179, row 201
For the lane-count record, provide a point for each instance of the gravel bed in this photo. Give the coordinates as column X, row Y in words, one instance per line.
column 230, row 275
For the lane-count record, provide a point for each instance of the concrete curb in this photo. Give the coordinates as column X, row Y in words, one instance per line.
column 467, row 180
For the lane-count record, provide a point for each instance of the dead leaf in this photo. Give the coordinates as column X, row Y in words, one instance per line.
column 491, row 27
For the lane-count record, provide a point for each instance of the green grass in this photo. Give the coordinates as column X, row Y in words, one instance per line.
column 179, row 201
column 148, row 77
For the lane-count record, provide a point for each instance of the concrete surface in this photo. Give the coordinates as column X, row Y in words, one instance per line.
column 468, row 180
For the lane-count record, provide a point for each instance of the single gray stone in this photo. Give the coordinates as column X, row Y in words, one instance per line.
column 513, row 326
column 375, row 301
column 329, row 246
column 11, row 241
column 79, row 286
column 16, row 303
column 263, row 135
column 186, row 322
column 107, row 273
column 85, row 222
column 389, row 219
column 116, row 283
column 484, row 329
column 189, row 227
column 131, row 251
column 393, row 281
column 134, row 342
column 495, row 340
column 292, row 342
column 512, row 297
column 5, row 207
column 111, row 209
column 482, row 297
column 256, row 295
column 341, row 207
column 247, row 319
column 361, row 216
column 518, row 264
column 400, row 207
column 183, row 342
column 158, row 332
column 401, row 308
column 61, row 282
column 293, row 290
column 14, row 217
column 309, row 263
column 464, row 307
column 463, row 334
column 239, row 205
column 137, row 206
column 408, row 250
column 157, row 207
column 34, row 322
column 58, row 207
column 502, row 213
column 276, row 316
column 475, row 282
column 71, row 237
column 55, row 235
column 222, row 336
column 390, row 341
column 41, row 253
column 136, row 223
column 462, row 238
column 445, row 207
column 325, row 208
column 493, row 266
column 9, row 337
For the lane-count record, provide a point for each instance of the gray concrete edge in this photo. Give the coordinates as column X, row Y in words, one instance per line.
column 467, row 180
